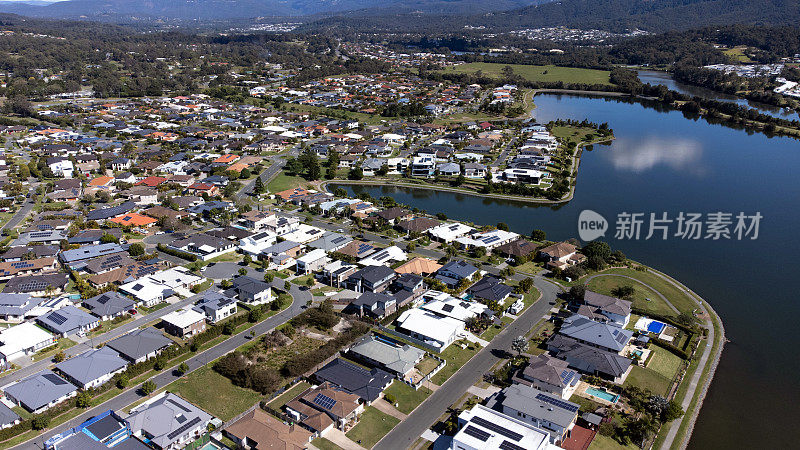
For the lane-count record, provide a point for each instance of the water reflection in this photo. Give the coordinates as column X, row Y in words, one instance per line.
column 636, row 155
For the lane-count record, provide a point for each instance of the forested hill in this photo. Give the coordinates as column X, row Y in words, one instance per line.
column 614, row 15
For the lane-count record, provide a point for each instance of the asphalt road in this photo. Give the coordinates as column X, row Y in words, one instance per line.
column 119, row 402
column 107, row 336
column 20, row 215
column 422, row 418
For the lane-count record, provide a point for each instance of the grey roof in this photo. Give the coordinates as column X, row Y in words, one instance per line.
column 373, row 302
column 208, row 206
column 250, row 285
column 538, row 404
column 39, row 250
column 167, row 419
column 92, row 364
column 89, row 236
column 373, row 274
column 551, row 371
column 139, row 343
column 490, row 288
column 17, row 304
column 40, row 389
column 113, row 211
column 606, row 303
column 588, row 359
column 399, row 358
column 42, row 236
column 331, row 241
column 89, row 252
column 66, row 319
column 7, row 416
column 599, row 334
column 365, row 383
column 460, row 268
column 213, row 301
column 108, row 304
column 280, row 247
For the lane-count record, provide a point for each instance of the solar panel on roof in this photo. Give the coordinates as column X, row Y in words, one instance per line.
column 505, row 445
column 183, row 428
column 55, row 379
column 447, row 308
column 57, row 318
column 324, row 401
column 476, row 433
column 557, row 402
column 497, row 428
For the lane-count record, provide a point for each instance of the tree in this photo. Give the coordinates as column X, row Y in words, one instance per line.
column 245, row 173
column 109, row 239
column 183, row 368
column 479, row 252
column 228, row 328
column 268, row 277
column 136, row 249
column 310, row 281
column 624, row 292
column 18, row 105
column 123, row 381
column 538, row 235
column 242, row 271
column 254, row 315
column 519, row 344
column 502, row 226
column 60, row 356
column 148, row 387
column 247, row 260
column 259, row 188
column 40, row 422
column 597, row 249
column 577, row 292
column 83, row 399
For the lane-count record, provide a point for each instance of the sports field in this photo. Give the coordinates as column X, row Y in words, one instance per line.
column 538, row 73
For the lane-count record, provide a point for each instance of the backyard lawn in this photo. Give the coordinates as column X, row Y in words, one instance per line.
column 407, row 398
column 538, row 73
column 607, row 283
column 601, row 442
column 372, row 426
column 291, row 393
column 214, row 393
column 648, row 379
column 427, row 365
column 664, row 362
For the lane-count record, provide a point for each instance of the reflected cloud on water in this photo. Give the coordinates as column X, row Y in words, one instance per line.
column 639, row 156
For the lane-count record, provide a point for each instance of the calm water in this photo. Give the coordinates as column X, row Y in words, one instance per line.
column 662, row 161
column 656, row 78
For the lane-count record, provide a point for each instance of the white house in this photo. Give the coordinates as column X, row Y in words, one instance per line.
column 385, row 257
column 479, row 431
column 438, row 332
column 312, row 261
column 24, row 339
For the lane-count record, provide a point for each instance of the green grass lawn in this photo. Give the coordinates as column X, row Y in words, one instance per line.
column 455, row 357
column 291, row 393
column 302, row 280
column 282, row 182
column 372, row 426
column 606, row 283
column 214, row 393
column 62, row 344
column 664, row 362
column 585, row 403
column 407, row 398
column 491, row 332
column 683, row 302
column 601, row 442
column 427, row 365
column 538, row 73
column 324, row 444
column 648, row 379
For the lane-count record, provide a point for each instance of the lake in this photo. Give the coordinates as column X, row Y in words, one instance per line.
column 656, row 78
column 664, row 162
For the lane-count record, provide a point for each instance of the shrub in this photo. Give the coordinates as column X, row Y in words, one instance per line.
column 390, row 398
column 149, row 387
column 40, row 422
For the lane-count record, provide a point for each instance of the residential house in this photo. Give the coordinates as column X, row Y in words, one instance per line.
column 448, row 232
column 134, row 220
column 604, row 308
column 324, row 407
column 437, row 332
column 549, row 374
column 204, row 245
column 312, row 261
column 109, row 305
column 490, row 289
column 38, row 285
column 540, row 409
column 253, row 291
column 92, row 368
column 331, row 242
column 419, row 266
column 385, row 257
column 23, row 340
column 394, row 357
column 454, row 271
column 337, row 271
column 40, row 391
column 370, row 279
column 368, row 384
column 423, row 166
column 373, row 304
column 8, row 418
column 168, row 421
column 15, row 307
column 608, row 337
column 417, row 224
column 474, row 170
column 215, row 306
column 488, row 240
column 184, row 322
column 259, row 429
column 590, row 360
column 68, row 321
column 482, row 428
column 517, row 249
column 29, row 267
column 561, row 255
column 140, row 345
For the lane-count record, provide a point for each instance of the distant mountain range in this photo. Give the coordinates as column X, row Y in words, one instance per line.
column 187, row 10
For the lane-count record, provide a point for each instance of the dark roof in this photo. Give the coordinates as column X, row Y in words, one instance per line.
column 139, row 343
column 40, row 389
column 108, row 304
column 92, row 364
column 89, row 236
column 367, row 384
column 250, row 285
column 490, row 288
column 460, row 268
column 36, row 283
column 373, row 274
column 520, row 247
column 113, row 211
column 66, row 319
column 7, row 416
column 418, row 224
column 231, row 233
column 588, row 359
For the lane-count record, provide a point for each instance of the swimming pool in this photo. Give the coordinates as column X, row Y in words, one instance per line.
column 638, row 353
column 656, row 327
column 602, row 394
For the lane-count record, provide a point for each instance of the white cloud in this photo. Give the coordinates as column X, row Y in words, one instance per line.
column 642, row 155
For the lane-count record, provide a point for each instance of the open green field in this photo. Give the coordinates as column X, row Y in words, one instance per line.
column 664, row 362
column 282, row 182
column 679, row 299
column 407, row 398
column 605, row 284
column 648, row 379
column 538, row 73
column 372, row 426
column 214, row 393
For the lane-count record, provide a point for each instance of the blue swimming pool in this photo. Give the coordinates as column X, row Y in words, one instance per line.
column 602, row 394
column 656, row 327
